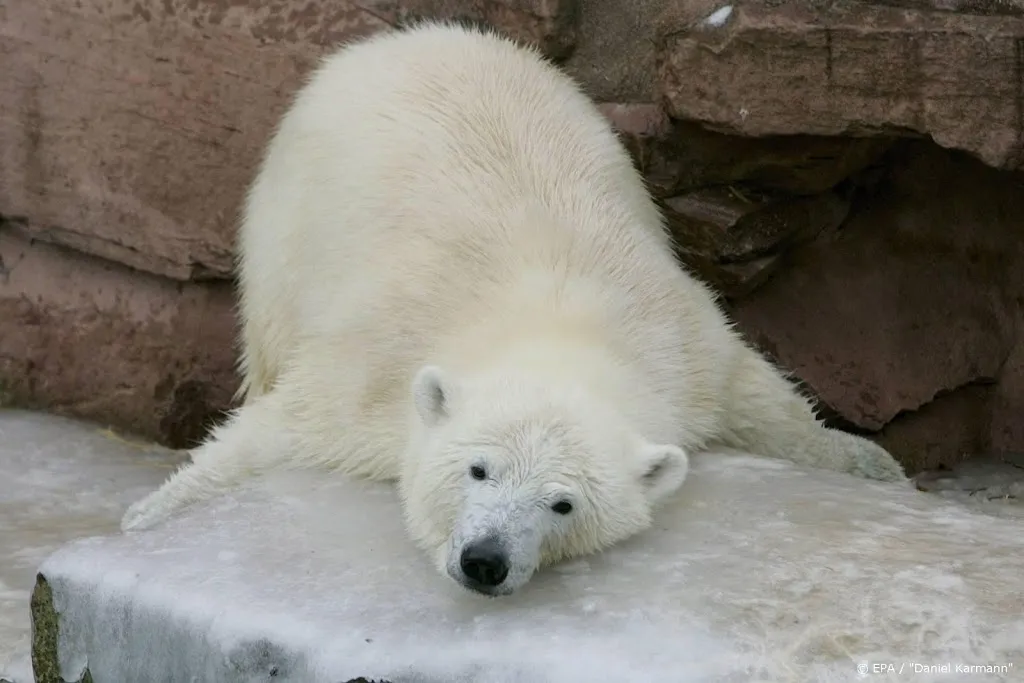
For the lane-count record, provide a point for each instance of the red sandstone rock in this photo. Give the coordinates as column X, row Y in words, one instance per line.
column 944, row 432
column 735, row 240
column 733, row 226
column 87, row 337
column 130, row 132
column 852, row 68
column 1007, row 420
column 129, row 129
column 551, row 25
column 679, row 156
column 909, row 299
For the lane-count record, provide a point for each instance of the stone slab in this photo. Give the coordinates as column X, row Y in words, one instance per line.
column 130, row 129
column 914, row 297
column 84, row 336
column 759, row 571
column 819, row 67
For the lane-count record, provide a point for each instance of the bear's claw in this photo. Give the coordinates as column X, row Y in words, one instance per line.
column 181, row 490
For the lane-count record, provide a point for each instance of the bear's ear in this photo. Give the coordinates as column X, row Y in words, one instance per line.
column 430, row 392
column 663, row 469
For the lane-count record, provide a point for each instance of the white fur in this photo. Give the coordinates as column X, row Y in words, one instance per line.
column 448, row 260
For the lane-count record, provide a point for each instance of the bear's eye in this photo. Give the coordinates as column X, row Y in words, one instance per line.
column 477, row 472
column 562, row 507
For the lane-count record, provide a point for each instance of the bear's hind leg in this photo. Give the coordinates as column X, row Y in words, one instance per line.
column 861, row 456
column 252, row 441
column 766, row 415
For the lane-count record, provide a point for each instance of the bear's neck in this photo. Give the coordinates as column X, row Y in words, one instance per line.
column 550, row 331
column 564, row 357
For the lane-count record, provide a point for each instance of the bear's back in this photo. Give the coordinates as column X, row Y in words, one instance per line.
column 419, row 176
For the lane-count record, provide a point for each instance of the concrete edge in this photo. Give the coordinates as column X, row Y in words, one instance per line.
column 46, row 636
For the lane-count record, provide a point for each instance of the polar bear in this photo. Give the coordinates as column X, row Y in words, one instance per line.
column 452, row 277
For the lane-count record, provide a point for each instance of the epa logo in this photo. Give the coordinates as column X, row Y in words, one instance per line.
column 875, row 668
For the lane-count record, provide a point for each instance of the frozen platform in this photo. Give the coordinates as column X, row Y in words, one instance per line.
column 759, row 572
column 60, row 479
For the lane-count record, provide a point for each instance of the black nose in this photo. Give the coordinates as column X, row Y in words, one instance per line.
column 484, row 562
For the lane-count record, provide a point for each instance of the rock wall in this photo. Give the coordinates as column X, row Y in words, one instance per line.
column 849, row 175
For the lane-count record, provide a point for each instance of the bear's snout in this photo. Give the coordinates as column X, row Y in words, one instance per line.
column 484, row 563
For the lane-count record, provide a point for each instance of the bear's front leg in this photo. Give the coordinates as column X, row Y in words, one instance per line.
column 190, row 484
column 252, row 441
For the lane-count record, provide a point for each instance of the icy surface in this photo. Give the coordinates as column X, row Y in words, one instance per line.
column 759, row 572
column 59, row 480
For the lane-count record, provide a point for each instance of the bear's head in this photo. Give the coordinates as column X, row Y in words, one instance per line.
column 503, row 478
